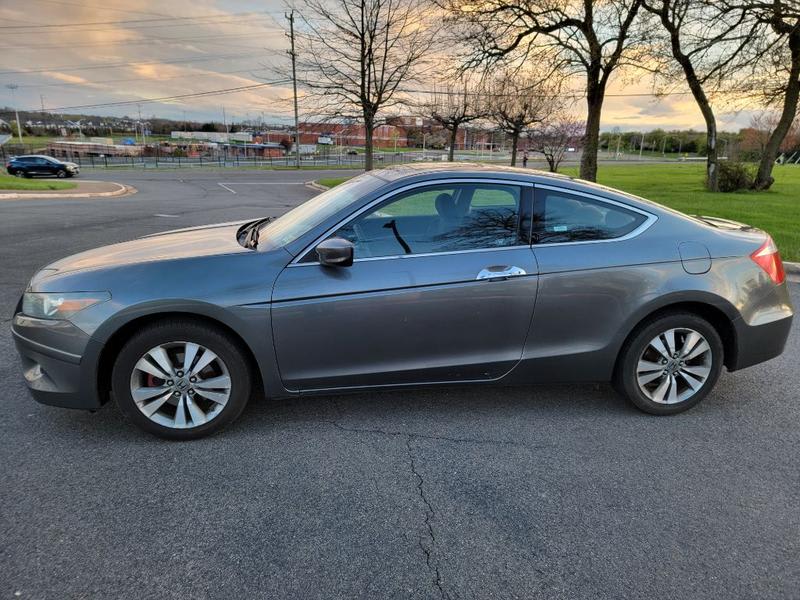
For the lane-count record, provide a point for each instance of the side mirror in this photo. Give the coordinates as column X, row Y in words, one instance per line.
column 335, row 252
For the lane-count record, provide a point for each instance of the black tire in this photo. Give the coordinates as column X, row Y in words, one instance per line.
column 184, row 330
column 17, row 173
column 626, row 379
column 61, row 174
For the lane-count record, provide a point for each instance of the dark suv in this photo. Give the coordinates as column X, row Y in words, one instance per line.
column 28, row 166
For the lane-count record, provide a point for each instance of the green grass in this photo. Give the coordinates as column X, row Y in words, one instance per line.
column 7, row 182
column 680, row 186
column 332, row 181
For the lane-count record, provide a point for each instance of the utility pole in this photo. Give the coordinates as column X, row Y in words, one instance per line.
column 641, row 147
column 141, row 123
column 13, row 87
column 664, row 146
column 619, row 137
column 290, row 16
column 41, row 97
column 225, row 120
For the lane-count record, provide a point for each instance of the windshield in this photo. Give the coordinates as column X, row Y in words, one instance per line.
column 310, row 214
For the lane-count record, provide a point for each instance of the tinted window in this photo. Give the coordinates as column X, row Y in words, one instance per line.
column 563, row 217
column 443, row 218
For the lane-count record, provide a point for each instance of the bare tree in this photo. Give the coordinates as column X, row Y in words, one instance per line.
column 593, row 37
column 708, row 45
column 353, row 56
column 452, row 104
column 517, row 101
column 555, row 137
column 779, row 70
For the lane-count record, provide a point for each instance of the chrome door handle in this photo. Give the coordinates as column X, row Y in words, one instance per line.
column 500, row 272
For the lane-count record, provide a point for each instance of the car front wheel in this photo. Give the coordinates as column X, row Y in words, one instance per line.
column 670, row 364
column 61, row 174
column 180, row 379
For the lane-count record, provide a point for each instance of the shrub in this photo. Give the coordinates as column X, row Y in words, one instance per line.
column 735, row 176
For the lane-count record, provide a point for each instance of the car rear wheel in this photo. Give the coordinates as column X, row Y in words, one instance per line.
column 19, row 173
column 670, row 364
column 181, row 380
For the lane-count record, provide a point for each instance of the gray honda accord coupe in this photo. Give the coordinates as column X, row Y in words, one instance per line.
column 409, row 276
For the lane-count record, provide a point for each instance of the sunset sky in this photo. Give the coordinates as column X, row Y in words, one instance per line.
column 127, row 51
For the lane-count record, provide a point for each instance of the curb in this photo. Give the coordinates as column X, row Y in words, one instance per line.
column 316, row 186
column 124, row 190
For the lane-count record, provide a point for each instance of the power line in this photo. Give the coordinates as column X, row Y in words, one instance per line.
column 133, row 21
column 138, row 42
column 254, row 22
column 66, row 68
column 130, row 79
column 105, row 8
column 220, row 92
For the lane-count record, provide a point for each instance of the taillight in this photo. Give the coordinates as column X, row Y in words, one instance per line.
column 768, row 258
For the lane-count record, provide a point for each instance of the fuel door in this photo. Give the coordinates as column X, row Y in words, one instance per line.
column 695, row 257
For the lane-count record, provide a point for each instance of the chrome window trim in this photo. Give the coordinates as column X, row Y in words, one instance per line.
column 650, row 218
column 388, row 195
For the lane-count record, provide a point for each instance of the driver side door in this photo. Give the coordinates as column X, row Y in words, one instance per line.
column 442, row 289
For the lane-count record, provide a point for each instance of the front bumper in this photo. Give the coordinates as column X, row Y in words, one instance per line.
column 57, row 362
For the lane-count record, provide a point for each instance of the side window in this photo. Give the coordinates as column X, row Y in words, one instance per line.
column 442, row 218
column 564, row 217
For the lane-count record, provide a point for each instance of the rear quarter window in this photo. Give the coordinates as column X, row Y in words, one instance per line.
column 561, row 217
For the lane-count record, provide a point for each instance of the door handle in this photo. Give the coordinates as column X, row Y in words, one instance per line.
column 500, row 272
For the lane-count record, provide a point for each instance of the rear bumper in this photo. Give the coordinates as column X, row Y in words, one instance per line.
column 54, row 374
column 759, row 343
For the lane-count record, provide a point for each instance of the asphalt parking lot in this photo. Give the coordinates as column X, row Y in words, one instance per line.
column 536, row 492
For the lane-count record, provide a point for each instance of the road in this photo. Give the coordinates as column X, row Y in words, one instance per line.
column 530, row 492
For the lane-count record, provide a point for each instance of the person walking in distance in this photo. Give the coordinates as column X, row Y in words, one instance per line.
column 525, row 159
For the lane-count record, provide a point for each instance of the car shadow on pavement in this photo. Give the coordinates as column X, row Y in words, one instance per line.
column 472, row 410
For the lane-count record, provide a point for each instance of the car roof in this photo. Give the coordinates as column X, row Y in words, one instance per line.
column 395, row 173
column 34, row 156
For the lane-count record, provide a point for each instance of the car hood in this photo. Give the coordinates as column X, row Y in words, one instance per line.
column 193, row 242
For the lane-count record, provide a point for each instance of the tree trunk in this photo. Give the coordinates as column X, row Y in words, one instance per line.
column 764, row 177
column 712, row 164
column 514, row 144
column 368, row 131
column 453, row 137
column 595, row 94
column 699, row 94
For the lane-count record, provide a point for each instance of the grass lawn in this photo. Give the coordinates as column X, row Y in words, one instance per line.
column 7, row 182
column 680, row 186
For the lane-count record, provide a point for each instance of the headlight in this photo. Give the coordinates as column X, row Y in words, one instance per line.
column 60, row 306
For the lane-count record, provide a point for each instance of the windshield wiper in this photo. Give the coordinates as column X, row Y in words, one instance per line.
column 252, row 231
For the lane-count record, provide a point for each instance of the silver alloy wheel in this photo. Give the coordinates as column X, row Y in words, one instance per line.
column 674, row 366
column 180, row 385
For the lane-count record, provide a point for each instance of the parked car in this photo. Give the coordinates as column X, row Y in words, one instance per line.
column 417, row 275
column 37, row 165
column 352, row 153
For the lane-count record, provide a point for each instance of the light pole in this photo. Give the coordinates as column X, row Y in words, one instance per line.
column 13, row 87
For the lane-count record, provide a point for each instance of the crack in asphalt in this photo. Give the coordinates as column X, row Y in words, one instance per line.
column 429, row 514
column 439, row 438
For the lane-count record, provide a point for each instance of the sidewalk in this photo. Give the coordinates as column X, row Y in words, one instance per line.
column 84, row 189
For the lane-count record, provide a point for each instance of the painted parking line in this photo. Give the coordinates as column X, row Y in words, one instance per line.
column 226, row 185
